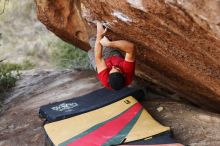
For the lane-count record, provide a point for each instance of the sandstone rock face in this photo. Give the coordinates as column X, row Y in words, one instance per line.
column 178, row 41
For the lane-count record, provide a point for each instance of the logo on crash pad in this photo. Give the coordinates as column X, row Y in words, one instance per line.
column 127, row 101
column 65, row 107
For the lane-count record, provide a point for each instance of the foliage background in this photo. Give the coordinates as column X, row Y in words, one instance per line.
column 25, row 43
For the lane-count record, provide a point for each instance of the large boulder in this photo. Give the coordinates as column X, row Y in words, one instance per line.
column 177, row 41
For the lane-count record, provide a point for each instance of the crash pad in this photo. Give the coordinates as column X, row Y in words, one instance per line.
column 122, row 121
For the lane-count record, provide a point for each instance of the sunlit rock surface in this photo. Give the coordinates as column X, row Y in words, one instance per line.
column 178, row 41
column 21, row 126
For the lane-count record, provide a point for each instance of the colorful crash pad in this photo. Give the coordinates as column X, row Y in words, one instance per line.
column 123, row 121
column 78, row 105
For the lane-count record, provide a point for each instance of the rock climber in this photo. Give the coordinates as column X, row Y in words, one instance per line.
column 115, row 71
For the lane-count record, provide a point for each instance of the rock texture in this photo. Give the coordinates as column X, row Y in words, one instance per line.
column 21, row 126
column 178, row 41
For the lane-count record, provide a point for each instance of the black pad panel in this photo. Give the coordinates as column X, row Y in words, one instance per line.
column 78, row 105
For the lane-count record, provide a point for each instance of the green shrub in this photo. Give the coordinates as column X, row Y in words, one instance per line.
column 9, row 73
column 64, row 55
